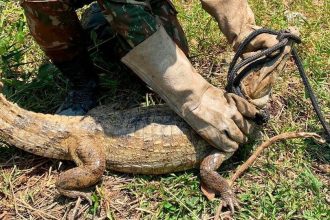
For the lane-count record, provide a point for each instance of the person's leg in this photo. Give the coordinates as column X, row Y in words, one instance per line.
column 102, row 38
column 132, row 22
column 167, row 15
column 135, row 21
column 56, row 28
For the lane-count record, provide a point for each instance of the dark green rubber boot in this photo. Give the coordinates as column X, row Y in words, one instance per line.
column 83, row 79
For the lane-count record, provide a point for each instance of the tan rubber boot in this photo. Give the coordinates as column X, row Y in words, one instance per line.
column 219, row 117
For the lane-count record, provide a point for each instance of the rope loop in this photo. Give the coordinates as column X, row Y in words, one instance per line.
column 238, row 70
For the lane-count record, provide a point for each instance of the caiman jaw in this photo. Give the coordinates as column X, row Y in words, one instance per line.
column 257, row 88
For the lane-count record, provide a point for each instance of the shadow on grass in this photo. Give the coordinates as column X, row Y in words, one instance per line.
column 319, row 153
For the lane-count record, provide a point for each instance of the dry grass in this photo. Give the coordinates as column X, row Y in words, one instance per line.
column 289, row 181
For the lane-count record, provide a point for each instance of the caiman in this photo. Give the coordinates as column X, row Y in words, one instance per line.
column 152, row 140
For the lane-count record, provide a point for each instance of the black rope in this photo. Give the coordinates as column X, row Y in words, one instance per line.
column 239, row 70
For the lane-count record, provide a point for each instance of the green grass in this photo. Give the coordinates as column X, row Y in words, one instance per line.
column 286, row 182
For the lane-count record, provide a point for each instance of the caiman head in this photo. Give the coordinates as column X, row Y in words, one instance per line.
column 258, row 85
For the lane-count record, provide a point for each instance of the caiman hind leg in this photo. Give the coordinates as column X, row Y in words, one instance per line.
column 212, row 182
column 90, row 159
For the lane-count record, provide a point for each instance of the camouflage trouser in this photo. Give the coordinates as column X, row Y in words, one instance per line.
column 55, row 25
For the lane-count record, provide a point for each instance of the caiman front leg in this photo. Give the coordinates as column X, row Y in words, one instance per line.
column 90, row 159
column 212, row 182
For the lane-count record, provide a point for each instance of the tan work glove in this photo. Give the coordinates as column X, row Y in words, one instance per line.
column 219, row 117
column 236, row 20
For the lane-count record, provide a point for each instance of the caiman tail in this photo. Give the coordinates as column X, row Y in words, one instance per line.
column 151, row 140
column 41, row 134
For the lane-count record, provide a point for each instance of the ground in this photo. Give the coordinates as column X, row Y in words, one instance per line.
column 289, row 181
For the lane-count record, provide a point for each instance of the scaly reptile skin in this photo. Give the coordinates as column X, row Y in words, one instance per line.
column 142, row 140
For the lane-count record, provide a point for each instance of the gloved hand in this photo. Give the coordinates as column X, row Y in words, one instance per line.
column 236, row 20
column 220, row 118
